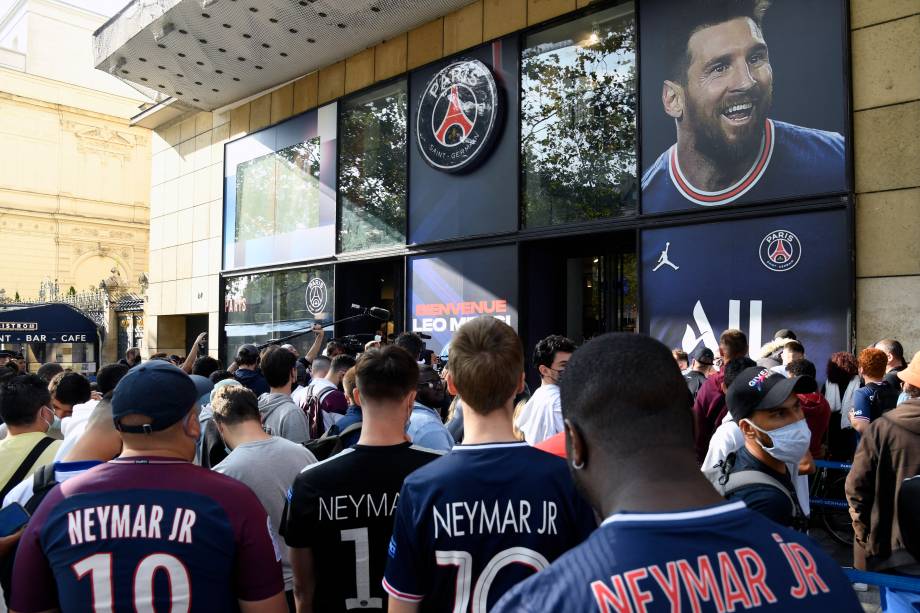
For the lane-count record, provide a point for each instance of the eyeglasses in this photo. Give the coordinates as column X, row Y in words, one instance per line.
column 431, row 384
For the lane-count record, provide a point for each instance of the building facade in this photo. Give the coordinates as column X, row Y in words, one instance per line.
column 538, row 160
column 74, row 172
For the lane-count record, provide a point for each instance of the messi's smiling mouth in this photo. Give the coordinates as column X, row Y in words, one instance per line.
column 739, row 113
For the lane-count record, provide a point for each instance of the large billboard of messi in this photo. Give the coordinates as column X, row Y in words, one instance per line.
column 758, row 275
column 743, row 101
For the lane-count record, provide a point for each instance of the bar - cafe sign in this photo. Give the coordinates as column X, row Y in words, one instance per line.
column 30, row 326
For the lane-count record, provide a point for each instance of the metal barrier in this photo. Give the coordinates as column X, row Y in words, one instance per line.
column 833, row 465
column 897, row 582
column 830, row 502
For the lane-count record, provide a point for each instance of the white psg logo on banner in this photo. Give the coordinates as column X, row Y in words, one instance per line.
column 780, row 250
column 316, row 295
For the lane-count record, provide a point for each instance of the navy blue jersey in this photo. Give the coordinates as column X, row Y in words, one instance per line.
column 723, row 558
column 474, row 523
column 793, row 161
column 144, row 534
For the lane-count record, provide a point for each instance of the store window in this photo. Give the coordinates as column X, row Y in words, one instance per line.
column 372, row 170
column 261, row 307
column 578, row 120
column 277, row 192
column 280, row 192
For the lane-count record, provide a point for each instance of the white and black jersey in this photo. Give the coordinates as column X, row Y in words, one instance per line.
column 342, row 509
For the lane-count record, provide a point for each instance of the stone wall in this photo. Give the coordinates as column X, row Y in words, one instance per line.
column 885, row 42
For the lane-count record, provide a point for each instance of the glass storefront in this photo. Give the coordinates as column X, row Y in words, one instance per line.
column 260, row 307
column 552, row 199
column 279, row 187
column 372, row 170
column 578, row 120
column 278, row 192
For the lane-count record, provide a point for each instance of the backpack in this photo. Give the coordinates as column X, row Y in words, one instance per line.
column 695, row 380
column 42, row 481
column 313, row 407
column 725, row 482
column 328, row 444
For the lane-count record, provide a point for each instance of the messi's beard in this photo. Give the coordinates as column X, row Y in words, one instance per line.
column 709, row 137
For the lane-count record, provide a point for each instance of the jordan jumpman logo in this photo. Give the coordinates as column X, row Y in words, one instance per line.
column 663, row 259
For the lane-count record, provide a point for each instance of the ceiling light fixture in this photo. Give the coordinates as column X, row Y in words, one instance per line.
column 163, row 31
column 117, row 65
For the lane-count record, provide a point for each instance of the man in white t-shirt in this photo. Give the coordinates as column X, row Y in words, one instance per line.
column 541, row 417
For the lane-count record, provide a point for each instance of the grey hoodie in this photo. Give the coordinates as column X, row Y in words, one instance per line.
column 281, row 417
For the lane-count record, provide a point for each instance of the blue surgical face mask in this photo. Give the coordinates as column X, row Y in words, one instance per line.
column 790, row 442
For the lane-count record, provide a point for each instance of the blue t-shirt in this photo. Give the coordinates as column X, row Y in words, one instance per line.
column 427, row 430
column 478, row 520
column 353, row 415
column 764, row 499
column 873, row 399
column 793, row 161
column 721, row 558
column 252, row 379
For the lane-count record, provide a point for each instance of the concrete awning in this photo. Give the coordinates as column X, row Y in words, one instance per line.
column 210, row 53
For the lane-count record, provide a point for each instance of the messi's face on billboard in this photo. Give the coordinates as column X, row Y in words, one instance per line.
column 728, row 90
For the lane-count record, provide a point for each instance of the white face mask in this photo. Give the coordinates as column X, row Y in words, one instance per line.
column 790, row 443
column 55, row 420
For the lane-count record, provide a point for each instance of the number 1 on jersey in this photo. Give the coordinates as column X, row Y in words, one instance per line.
column 362, row 571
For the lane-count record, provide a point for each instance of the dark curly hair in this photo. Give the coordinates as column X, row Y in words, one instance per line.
column 545, row 351
column 841, row 368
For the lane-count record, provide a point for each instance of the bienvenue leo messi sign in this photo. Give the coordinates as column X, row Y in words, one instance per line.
column 756, row 275
column 450, row 289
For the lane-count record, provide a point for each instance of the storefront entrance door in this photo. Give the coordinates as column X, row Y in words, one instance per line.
column 580, row 287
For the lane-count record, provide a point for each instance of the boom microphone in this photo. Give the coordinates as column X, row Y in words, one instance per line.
column 378, row 313
column 375, row 312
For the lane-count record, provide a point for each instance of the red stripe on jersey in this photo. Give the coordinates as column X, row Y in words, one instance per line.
column 392, row 591
column 746, row 183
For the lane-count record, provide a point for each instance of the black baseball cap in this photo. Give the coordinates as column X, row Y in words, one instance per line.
column 703, row 355
column 247, row 353
column 759, row 389
column 156, row 389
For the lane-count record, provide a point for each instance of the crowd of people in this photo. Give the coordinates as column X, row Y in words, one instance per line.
column 634, row 478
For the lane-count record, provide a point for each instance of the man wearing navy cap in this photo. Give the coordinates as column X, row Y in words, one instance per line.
column 701, row 366
column 149, row 529
column 766, row 408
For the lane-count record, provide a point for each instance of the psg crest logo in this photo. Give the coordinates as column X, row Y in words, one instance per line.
column 457, row 116
column 316, row 295
column 780, row 250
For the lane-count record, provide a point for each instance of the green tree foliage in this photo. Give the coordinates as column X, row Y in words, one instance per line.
column 578, row 110
column 372, row 171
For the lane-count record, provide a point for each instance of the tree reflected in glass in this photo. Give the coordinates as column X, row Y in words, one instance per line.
column 279, row 192
column 578, row 110
column 372, row 170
